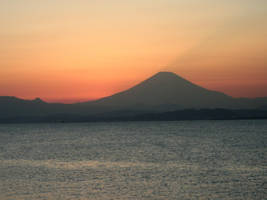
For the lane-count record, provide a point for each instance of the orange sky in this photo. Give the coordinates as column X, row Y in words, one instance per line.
column 77, row 50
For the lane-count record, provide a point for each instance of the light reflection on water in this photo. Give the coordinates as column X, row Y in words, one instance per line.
column 135, row 160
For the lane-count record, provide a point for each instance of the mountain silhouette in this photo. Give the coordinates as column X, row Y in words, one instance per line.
column 164, row 92
column 166, row 89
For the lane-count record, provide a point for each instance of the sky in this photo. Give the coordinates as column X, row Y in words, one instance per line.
column 68, row 51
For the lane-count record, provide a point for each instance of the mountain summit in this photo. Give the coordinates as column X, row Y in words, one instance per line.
column 167, row 89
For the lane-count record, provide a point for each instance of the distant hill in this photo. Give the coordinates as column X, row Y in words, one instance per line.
column 10, row 106
column 162, row 93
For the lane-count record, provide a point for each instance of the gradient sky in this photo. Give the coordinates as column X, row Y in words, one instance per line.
column 66, row 50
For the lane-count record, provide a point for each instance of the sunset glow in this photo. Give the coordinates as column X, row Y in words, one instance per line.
column 68, row 51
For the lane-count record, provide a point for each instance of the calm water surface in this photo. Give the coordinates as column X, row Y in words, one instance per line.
column 135, row 160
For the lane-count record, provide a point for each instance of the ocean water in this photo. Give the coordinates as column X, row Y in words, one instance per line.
column 134, row 160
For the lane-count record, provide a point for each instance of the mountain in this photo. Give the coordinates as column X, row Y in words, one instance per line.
column 166, row 90
column 162, row 93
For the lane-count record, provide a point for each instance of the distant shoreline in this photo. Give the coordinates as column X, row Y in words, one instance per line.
column 179, row 115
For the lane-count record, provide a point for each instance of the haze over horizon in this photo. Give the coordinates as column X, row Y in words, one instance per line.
column 71, row 51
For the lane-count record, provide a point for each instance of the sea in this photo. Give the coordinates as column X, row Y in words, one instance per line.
column 134, row 160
